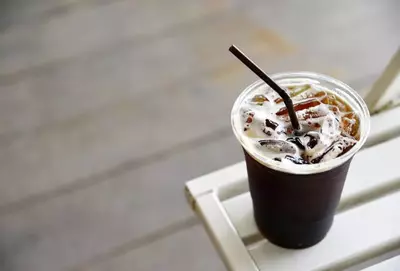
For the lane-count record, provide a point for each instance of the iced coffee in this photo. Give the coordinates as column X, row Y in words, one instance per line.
column 296, row 177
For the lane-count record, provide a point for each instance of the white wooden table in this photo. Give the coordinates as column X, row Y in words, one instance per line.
column 366, row 230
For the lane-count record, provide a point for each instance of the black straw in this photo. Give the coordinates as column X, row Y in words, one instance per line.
column 260, row 73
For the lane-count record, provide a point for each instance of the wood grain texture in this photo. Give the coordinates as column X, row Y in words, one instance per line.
column 112, row 127
column 188, row 250
column 85, row 30
column 68, row 89
column 74, row 227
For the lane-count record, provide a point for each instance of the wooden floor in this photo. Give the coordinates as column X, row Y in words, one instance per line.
column 107, row 107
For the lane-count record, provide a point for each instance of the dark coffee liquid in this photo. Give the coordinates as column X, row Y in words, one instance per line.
column 293, row 210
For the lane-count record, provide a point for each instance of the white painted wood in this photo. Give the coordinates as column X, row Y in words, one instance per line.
column 217, row 179
column 384, row 126
column 240, row 212
column 392, row 264
column 223, row 234
column 386, row 89
column 357, row 235
column 373, row 172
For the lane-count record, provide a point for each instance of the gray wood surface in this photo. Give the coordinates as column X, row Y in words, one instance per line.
column 190, row 249
column 108, row 107
column 104, row 213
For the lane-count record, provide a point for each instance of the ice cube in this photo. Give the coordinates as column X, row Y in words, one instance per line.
column 271, row 124
column 314, row 112
column 336, row 149
column 331, row 125
column 314, row 144
column 309, row 93
column 299, row 106
column 247, row 117
column 297, row 141
column 332, row 99
column 314, row 138
column 334, row 109
column 293, row 91
column 332, row 152
column 259, row 99
column 296, row 160
column 350, row 124
column 278, row 146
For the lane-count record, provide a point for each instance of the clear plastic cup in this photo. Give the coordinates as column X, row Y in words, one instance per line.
column 294, row 206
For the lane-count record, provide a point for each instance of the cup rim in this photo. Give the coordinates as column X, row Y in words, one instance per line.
column 342, row 89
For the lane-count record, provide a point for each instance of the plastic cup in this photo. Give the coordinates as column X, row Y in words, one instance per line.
column 294, row 207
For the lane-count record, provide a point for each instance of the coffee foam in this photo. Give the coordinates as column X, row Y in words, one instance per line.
column 264, row 126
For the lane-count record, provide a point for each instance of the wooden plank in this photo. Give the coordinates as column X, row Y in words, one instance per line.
column 386, row 90
column 363, row 183
column 126, row 130
column 186, row 250
column 346, row 243
column 214, row 181
column 89, row 83
column 17, row 12
column 119, row 135
column 377, row 19
column 75, row 227
column 240, row 212
column 223, row 234
column 85, row 30
column 392, row 264
column 384, row 126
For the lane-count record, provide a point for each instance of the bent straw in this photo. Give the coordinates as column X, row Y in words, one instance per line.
column 260, row 73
